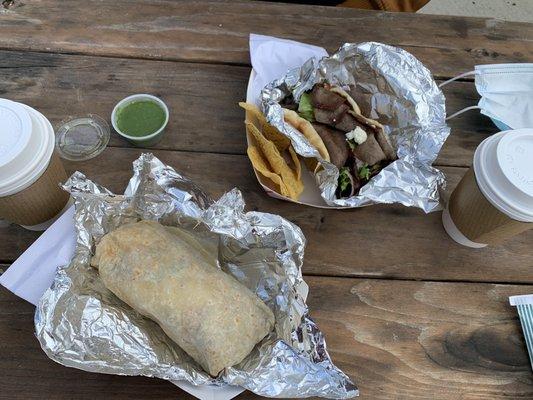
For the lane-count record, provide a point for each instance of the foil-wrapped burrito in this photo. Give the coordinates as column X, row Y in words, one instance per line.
column 114, row 320
column 168, row 276
column 360, row 127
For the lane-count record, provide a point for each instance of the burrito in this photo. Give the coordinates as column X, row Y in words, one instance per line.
column 167, row 275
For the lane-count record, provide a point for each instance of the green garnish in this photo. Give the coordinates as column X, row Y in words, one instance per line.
column 364, row 172
column 305, row 108
column 344, row 179
column 352, row 144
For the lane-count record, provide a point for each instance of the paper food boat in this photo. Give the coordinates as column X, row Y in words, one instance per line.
column 311, row 194
column 417, row 119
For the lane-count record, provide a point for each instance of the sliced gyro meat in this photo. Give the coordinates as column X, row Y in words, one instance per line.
column 325, row 98
column 383, row 141
column 347, row 123
column 358, row 96
column 370, row 151
column 330, row 117
column 335, row 143
column 377, row 128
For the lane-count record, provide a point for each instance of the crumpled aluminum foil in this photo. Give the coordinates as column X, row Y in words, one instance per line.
column 81, row 324
column 402, row 95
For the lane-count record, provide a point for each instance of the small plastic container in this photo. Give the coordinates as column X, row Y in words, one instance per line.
column 140, row 141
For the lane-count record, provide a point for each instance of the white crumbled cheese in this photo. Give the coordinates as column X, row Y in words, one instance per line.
column 358, row 135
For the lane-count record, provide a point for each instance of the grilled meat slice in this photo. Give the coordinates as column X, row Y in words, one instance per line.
column 330, row 117
column 325, row 99
column 335, row 143
column 369, row 151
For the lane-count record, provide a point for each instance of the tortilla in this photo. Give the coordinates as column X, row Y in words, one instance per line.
column 270, row 132
column 305, row 127
column 166, row 276
column 349, row 99
column 293, row 184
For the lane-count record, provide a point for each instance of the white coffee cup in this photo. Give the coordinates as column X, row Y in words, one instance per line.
column 30, row 171
column 494, row 200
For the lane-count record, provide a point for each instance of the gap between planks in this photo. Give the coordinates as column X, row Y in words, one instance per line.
column 4, row 265
column 437, row 77
column 146, row 149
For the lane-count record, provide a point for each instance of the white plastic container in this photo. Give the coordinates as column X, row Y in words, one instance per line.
column 494, row 201
column 30, row 171
column 141, row 141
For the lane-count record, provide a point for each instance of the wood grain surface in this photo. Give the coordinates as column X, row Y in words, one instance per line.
column 396, row 339
column 204, row 115
column 380, row 241
column 217, row 31
column 407, row 313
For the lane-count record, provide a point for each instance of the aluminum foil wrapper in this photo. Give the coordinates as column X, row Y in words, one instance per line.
column 81, row 324
column 400, row 93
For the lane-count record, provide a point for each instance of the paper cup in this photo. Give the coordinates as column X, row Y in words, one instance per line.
column 494, row 200
column 30, row 171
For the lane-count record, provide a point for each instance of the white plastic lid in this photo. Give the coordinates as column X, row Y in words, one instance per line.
column 503, row 164
column 15, row 130
column 26, row 145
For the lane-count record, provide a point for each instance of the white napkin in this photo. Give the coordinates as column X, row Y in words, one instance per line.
column 272, row 58
column 33, row 272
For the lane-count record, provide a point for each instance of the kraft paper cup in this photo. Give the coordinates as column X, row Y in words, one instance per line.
column 30, row 171
column 140, row 141
column 494, row 200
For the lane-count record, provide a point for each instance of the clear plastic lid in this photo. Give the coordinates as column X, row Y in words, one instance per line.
column 82, row 138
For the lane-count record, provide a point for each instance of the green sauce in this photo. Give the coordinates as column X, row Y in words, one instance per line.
column 140, row 118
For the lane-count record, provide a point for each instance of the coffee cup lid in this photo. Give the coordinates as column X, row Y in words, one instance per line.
column 26, row 144
column 503, row 165
column 15, row 131
column 515, row 156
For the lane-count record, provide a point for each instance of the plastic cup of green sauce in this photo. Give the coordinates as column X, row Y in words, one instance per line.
column 141, row 119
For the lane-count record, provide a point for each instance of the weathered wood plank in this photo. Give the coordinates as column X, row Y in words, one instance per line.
column 397, row 339
column 379, row 241
column 204, row 115
column 217, row 31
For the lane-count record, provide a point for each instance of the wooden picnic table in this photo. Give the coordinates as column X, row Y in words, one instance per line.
column 407, row 313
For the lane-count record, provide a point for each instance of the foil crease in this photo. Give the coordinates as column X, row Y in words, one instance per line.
column 80, row 323
column 398, row 91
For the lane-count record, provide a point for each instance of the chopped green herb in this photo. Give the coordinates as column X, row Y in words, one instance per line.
column 352, row 144
column 305, row 108
column 364, row 172
column 344, row 179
